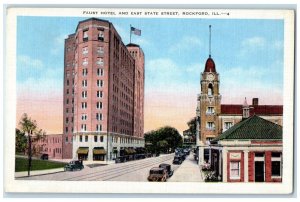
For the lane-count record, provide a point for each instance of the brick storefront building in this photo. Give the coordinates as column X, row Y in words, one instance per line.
column 103, row 92
column 250, row 151
column 49, row 144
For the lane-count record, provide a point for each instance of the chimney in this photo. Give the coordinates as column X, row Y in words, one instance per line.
column 255, row 101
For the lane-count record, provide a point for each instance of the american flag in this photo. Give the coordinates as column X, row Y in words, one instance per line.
column 136, row 31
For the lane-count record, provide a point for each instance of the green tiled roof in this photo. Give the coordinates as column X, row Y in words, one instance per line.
column 252, row 128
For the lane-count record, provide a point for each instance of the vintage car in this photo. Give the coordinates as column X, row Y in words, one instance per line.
column 44, row 157
column 120, row 159
column 74, row 165
column 158, row 174
column 177, row 160
column 167, row 167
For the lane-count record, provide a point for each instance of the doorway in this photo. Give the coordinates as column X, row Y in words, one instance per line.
column 259, row 171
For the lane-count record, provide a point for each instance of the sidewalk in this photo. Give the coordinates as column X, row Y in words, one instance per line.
column 38, row 172
column 188, row 171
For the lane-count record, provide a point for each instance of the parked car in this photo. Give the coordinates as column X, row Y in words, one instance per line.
column 74, row 165
column 177, row 160
column 167, row 167
column 186, row 151
column 158, row 174
column 120, row 159
column 44, row 157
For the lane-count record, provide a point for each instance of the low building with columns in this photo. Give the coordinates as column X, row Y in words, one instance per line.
column 250, row 151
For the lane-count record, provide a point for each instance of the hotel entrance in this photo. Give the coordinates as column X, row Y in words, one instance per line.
column 82, row 153
column 99, row 154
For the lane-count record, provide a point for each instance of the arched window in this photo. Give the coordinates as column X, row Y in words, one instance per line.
column 210, row 89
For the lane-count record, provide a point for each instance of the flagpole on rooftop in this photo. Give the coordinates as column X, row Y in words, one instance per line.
column 130, row 34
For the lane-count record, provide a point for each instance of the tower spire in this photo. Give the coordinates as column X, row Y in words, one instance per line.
column 209, row 41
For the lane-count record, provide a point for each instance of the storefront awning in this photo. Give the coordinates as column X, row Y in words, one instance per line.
column 83, row 150
column 127, row 151
column 133, row 151
column 99, row 151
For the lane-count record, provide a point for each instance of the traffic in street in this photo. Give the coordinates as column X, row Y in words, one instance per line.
column 160, row 168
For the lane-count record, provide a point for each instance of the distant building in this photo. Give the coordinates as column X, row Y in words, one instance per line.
column 103, row 93
column 250, row 151
column 49, row 144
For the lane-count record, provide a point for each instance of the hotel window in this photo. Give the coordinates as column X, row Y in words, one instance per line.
column 99, row 116
column 234, row 170
column 99, row 105
column 227, row 125
column 85, row 50
column 98, row 127
column 85, row 35
column 67, row 101
column 95, row 138
column 67, row 129
column 100, row 72
column 84, row 94
column 67, row 82
column 86, row 138
column 83, row 105
column 210, row 110
column 210, row 125
column 85, row 62
column 100, row 83
column 84, row 72
column 83, row 127
column 101, row 138
column 67, row 91
column 99, row 94
column 84, row 83
column 67, row 110
column 99, row 61
column 83, row 117
column 276, row 164
column 67, row 120
column 100, row 50
column 101, row 35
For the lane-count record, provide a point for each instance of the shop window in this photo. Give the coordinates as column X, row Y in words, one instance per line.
column 276, row 164
column 234, row 170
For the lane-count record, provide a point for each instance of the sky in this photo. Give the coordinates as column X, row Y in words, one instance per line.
column 248, row 55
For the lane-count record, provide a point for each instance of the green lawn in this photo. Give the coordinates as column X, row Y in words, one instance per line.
column 22, row 164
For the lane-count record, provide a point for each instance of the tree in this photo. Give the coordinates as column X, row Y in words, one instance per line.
column 192, row 124
column 163, row 140
column 27, row 126
column 21, row 142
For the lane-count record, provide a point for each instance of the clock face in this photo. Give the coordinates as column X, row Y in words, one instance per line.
column 210, row 77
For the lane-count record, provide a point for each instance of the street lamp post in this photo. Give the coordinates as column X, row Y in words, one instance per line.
column 29, row 151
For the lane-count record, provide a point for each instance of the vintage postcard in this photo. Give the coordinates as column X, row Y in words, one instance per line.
column 102, row 100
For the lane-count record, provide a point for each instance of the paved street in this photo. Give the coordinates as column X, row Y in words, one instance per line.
column 137, row 170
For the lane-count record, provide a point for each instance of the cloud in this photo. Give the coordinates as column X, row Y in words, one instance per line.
column 186, row 43
column 25, row 62
column 254, row 42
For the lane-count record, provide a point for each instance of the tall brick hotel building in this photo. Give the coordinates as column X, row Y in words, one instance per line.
column 103, row 93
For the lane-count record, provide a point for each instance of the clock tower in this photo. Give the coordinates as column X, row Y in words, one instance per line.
column 209, row 101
